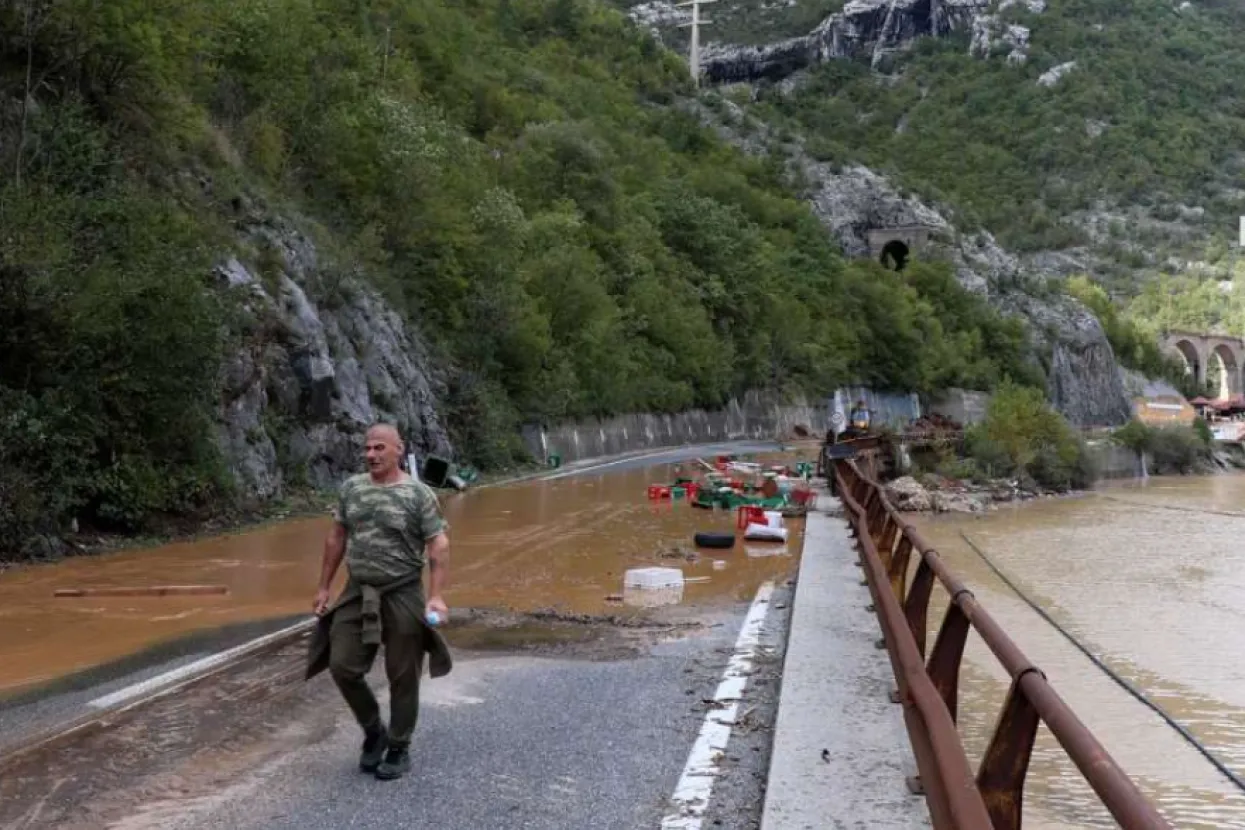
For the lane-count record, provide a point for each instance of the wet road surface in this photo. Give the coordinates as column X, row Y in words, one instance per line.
column 563, row 543
column 588, row 728
column 559, row 718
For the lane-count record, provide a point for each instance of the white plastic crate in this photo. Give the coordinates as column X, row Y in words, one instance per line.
column 653, row 578
column 652, row 597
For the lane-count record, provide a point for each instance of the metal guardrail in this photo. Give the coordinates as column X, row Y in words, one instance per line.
column 957, row 798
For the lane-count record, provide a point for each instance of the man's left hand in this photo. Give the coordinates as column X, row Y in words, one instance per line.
column 437, row 605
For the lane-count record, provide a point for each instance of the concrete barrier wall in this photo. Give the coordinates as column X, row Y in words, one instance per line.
column 761, row 417
column 892, row 409
column 756, row 417
column 960, row 405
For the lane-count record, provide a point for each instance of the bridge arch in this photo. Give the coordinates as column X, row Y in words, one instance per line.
column 1214, row 359
column 1223, row 358
column 1192, row 360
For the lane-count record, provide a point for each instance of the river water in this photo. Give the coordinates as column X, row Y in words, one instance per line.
column 1149, row 576
column 559, row 544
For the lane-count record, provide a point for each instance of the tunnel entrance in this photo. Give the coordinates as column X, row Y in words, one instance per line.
column 894, row 255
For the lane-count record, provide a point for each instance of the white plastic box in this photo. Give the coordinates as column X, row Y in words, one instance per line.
column 653, row 578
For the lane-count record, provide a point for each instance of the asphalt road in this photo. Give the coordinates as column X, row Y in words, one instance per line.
column 574, row 732
column 513, row 742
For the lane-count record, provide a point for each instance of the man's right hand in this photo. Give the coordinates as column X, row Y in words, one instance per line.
column 321, row 601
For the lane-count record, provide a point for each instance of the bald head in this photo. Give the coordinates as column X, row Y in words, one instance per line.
column 383, row 449
column 384, row 432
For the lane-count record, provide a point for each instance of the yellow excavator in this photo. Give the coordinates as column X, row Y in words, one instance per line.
column 857, row 436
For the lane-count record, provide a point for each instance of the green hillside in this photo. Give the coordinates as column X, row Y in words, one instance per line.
column 510, row 173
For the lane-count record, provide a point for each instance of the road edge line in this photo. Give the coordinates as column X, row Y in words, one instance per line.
column 191, row 670
column 206, row 667
column 691, row 795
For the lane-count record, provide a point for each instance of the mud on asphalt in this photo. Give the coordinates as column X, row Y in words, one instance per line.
column 188, row 744
column 739, row 792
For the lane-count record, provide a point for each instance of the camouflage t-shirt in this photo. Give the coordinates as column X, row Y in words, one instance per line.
column 387, row 526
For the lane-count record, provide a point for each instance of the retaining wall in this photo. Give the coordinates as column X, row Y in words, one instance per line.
column 961, row 405
column 758, row 416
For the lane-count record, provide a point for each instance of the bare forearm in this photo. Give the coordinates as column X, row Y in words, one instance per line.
column 334, row 550
column 438, row 564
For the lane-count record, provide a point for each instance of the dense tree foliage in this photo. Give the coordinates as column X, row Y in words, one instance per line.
column 513, row 174
column 1189, row 303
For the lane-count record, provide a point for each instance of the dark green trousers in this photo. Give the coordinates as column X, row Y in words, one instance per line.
column 350, row 659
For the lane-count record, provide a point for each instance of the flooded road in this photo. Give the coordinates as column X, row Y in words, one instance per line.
column 1151, row 579
column 562, row 544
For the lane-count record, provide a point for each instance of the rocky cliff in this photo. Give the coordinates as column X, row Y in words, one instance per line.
column 869, row 29
column 320, row 357
column 863, row 30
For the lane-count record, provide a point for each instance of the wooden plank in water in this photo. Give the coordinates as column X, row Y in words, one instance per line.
column 143, row 591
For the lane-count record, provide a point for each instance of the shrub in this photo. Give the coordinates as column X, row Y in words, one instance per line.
column 1022, row 436
column 1171, row 449
column 1202, row 429
column 1135, row 435
column 1176, row 449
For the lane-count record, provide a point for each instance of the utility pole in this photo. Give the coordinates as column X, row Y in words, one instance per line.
column 384, row 64
column 693, row 58
column 1240, row 246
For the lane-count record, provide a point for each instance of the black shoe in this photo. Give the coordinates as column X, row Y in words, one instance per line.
column 373, row 749
column 397, row 763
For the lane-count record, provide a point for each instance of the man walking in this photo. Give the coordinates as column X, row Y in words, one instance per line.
column 386, row 525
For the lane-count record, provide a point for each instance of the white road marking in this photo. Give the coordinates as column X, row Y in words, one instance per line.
column 691, row 796
column 190, row 669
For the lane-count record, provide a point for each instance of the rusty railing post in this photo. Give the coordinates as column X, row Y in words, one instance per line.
column 886, row 545
column 1001, row 777
column 874, row 516
column 899, row 567
column 944, row 660
column 916, row 606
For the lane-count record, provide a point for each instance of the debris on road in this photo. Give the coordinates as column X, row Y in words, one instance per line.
column 144, row 591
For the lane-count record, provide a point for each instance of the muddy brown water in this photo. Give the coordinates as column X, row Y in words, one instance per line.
column 1154, row 586
column 563, row 544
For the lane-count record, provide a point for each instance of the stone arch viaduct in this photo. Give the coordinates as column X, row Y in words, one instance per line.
column 1207, row 356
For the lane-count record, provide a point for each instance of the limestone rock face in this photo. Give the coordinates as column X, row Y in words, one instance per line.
column 1051, row 76
column 321, row 356
column 864, row 29
column 1083, row 380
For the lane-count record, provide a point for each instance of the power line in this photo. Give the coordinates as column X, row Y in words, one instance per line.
column 1124, row 684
